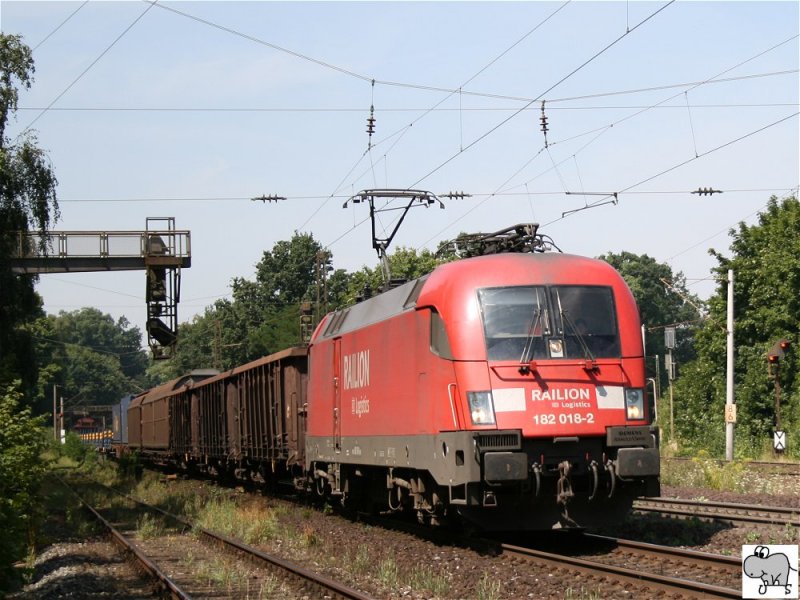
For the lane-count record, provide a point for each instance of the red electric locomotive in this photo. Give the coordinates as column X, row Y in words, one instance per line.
column 507, row 389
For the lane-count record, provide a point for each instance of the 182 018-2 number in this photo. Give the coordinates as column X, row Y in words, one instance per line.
column 564, row 419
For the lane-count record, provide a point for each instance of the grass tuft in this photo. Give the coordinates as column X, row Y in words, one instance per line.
column 149, row 526
column 388, row 573
column 581, row 594
column 425, row 579
column 488, row 588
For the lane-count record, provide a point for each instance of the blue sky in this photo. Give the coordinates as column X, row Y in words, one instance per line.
column 191, row 115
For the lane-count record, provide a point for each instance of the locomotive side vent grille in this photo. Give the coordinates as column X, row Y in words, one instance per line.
column 498, row 441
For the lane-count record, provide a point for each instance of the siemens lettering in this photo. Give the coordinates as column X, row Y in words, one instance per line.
column 356, row 370
column 560, row 395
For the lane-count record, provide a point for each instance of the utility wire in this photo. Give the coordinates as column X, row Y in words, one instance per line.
column 363, row 77
column 721, row 231
column 344, row 196
column 552, row 87
column 601, row 130
column 49, row 35
column 401, row 132
column 686, row 162
column 521, row 110
column 321, row 109
column 91, row 348
column 87, row 69
column 517, row 112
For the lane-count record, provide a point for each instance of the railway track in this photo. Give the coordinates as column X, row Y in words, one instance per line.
column 611, row 567
column 164, row 560
column 163, row 583
column 638, row 569
column 721, row 511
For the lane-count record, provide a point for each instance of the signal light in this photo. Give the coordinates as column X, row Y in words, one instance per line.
column 778, row 349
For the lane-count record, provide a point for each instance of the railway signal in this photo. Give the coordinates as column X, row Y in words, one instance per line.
column 774, row 356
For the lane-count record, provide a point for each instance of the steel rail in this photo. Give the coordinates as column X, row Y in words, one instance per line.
column 705, row 558
column 721, row 511
column 661, row 582
column 329, row 587
column 161, row 579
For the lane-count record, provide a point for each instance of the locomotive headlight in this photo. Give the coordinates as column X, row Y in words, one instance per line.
column 634, row 404
column 481, row 408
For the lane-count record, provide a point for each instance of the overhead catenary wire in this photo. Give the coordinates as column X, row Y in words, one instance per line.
column 728, row 228
column 399, row 134
column 603, row 129
column 161, row 199
column 540, row 96
column 686, row 162
column 85, row 347
column 363, row 77
column 59, row 26
column 86, row 70
column 342, row 109
column 535, row 193
column 599, row 132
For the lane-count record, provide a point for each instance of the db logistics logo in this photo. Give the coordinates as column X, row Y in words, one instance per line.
column 769, row 571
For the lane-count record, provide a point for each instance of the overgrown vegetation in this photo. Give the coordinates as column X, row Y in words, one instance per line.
column 232, row 575
column 22, row 444
column 251, row 524
column 765, row 259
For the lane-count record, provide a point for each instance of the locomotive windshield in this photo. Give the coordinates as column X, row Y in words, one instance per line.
column 527, row 323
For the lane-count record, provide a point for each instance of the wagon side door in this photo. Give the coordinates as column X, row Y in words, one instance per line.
column 337, row 395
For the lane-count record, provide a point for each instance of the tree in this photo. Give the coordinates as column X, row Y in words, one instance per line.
column 405, row 264
column 765, row 259
column 90, row 354
column 27, row 201
column 660, row 304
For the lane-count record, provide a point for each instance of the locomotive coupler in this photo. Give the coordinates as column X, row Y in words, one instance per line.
column 564, row 494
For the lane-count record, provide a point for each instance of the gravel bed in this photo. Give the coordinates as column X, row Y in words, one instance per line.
column 90, row 569
column 392, row 565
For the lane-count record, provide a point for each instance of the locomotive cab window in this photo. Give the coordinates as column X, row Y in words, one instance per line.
column 526, row 323
column 586, row 318
column 515, row 322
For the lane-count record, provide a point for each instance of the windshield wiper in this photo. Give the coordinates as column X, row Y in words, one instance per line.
column 587, row 353
column 529, row 341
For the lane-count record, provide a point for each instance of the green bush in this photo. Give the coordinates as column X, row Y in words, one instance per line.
column 22, row 442
column 74, row 448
